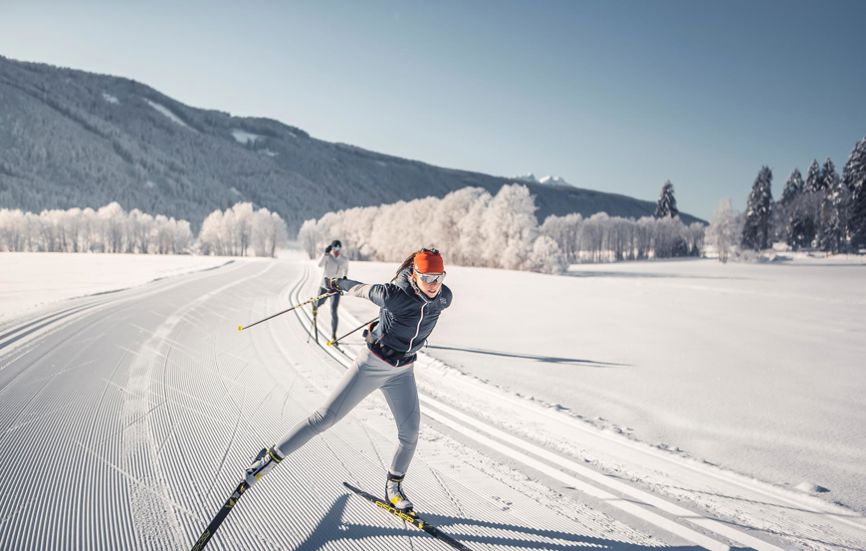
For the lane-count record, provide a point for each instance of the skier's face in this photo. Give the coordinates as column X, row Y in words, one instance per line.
column 430, row 289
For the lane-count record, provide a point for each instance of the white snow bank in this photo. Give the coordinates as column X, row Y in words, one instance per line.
column 28, row 280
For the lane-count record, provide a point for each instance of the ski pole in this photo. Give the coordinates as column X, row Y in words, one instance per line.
column 320, row 297
column 335, row 341
column 315, row 323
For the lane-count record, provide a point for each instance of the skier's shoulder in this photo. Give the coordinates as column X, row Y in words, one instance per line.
column 445, row 296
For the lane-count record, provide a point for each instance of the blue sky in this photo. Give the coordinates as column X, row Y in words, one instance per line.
column 615, row 96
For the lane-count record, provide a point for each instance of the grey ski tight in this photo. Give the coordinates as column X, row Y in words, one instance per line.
column 366, row 375
column 335, row 303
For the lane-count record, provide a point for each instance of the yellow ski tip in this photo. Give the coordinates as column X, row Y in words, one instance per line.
column 240, row 327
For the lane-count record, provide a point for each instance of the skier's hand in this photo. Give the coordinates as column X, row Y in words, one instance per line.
column 327, row 249
column 333, row 284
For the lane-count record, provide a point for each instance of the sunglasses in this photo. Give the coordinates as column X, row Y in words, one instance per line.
column 431, row 278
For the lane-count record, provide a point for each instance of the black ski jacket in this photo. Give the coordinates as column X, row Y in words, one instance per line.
column 406, row 316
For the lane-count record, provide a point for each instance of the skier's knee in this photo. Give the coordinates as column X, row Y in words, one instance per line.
column 407, row 432
column 322, row 420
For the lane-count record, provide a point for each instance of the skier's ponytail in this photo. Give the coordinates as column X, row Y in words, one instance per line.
column 405, row 264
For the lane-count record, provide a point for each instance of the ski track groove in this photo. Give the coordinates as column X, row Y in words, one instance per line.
column 52, row 514
column 661, row 522
column 429, row 490
column 55, row 516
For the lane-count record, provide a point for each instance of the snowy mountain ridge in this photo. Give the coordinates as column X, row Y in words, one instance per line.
column 76, row 139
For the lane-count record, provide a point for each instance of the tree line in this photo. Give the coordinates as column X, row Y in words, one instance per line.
column 238, row 231
column 825, row 212
column 500, row 231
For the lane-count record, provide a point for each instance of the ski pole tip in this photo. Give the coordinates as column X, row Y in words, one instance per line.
column 329, row 343
column 240, row 327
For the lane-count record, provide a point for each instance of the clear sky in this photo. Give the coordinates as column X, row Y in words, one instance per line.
column 611, row 95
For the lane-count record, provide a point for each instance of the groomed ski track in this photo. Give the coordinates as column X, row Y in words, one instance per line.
column 126, row 419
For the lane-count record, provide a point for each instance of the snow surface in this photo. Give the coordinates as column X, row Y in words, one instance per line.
column 244, row 137
column 536, row 392
column 754, row 367
column 28, row 280
column 109, row 98
column 168, row 113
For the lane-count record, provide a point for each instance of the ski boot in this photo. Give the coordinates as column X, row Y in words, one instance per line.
column 266, row 460
column 394, row 493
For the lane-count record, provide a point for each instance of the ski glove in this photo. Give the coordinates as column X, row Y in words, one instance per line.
column 333, row 284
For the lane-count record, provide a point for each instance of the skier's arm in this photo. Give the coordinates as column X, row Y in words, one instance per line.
column 375, row 293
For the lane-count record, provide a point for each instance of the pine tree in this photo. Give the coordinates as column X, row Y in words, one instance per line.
column 829, row 177
column 793, row 187
column 783, row 218
column 834, row 210
column 814, row 180
column 854, row 180
column 756, row 229
column 667, row 203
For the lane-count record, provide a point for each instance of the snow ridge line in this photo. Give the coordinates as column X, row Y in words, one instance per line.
column 511, row 445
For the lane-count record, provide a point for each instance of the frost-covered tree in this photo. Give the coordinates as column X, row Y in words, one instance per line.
column 240, row 229
column 564, row 230
column 854, row 179
column 109, row 229
column 666, row 207
column 756, row 228
column 268, row 232
column 724, row 230
column 545, row 257
column 509, row 227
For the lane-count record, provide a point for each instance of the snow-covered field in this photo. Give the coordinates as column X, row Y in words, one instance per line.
column 755, row 367
column 624, row 406
column 28, row 280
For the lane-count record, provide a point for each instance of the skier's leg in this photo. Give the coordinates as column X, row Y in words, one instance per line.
column 322, row 291
column 335, row 302
column 401, row 394
column 361, row 379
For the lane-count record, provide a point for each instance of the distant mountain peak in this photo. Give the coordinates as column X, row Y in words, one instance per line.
column 544, row 180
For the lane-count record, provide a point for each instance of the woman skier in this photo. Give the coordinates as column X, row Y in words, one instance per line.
column 334, row 265
column 409, row 308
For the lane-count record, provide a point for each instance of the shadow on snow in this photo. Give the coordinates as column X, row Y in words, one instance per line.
column 332, row 528
column 545, row 359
